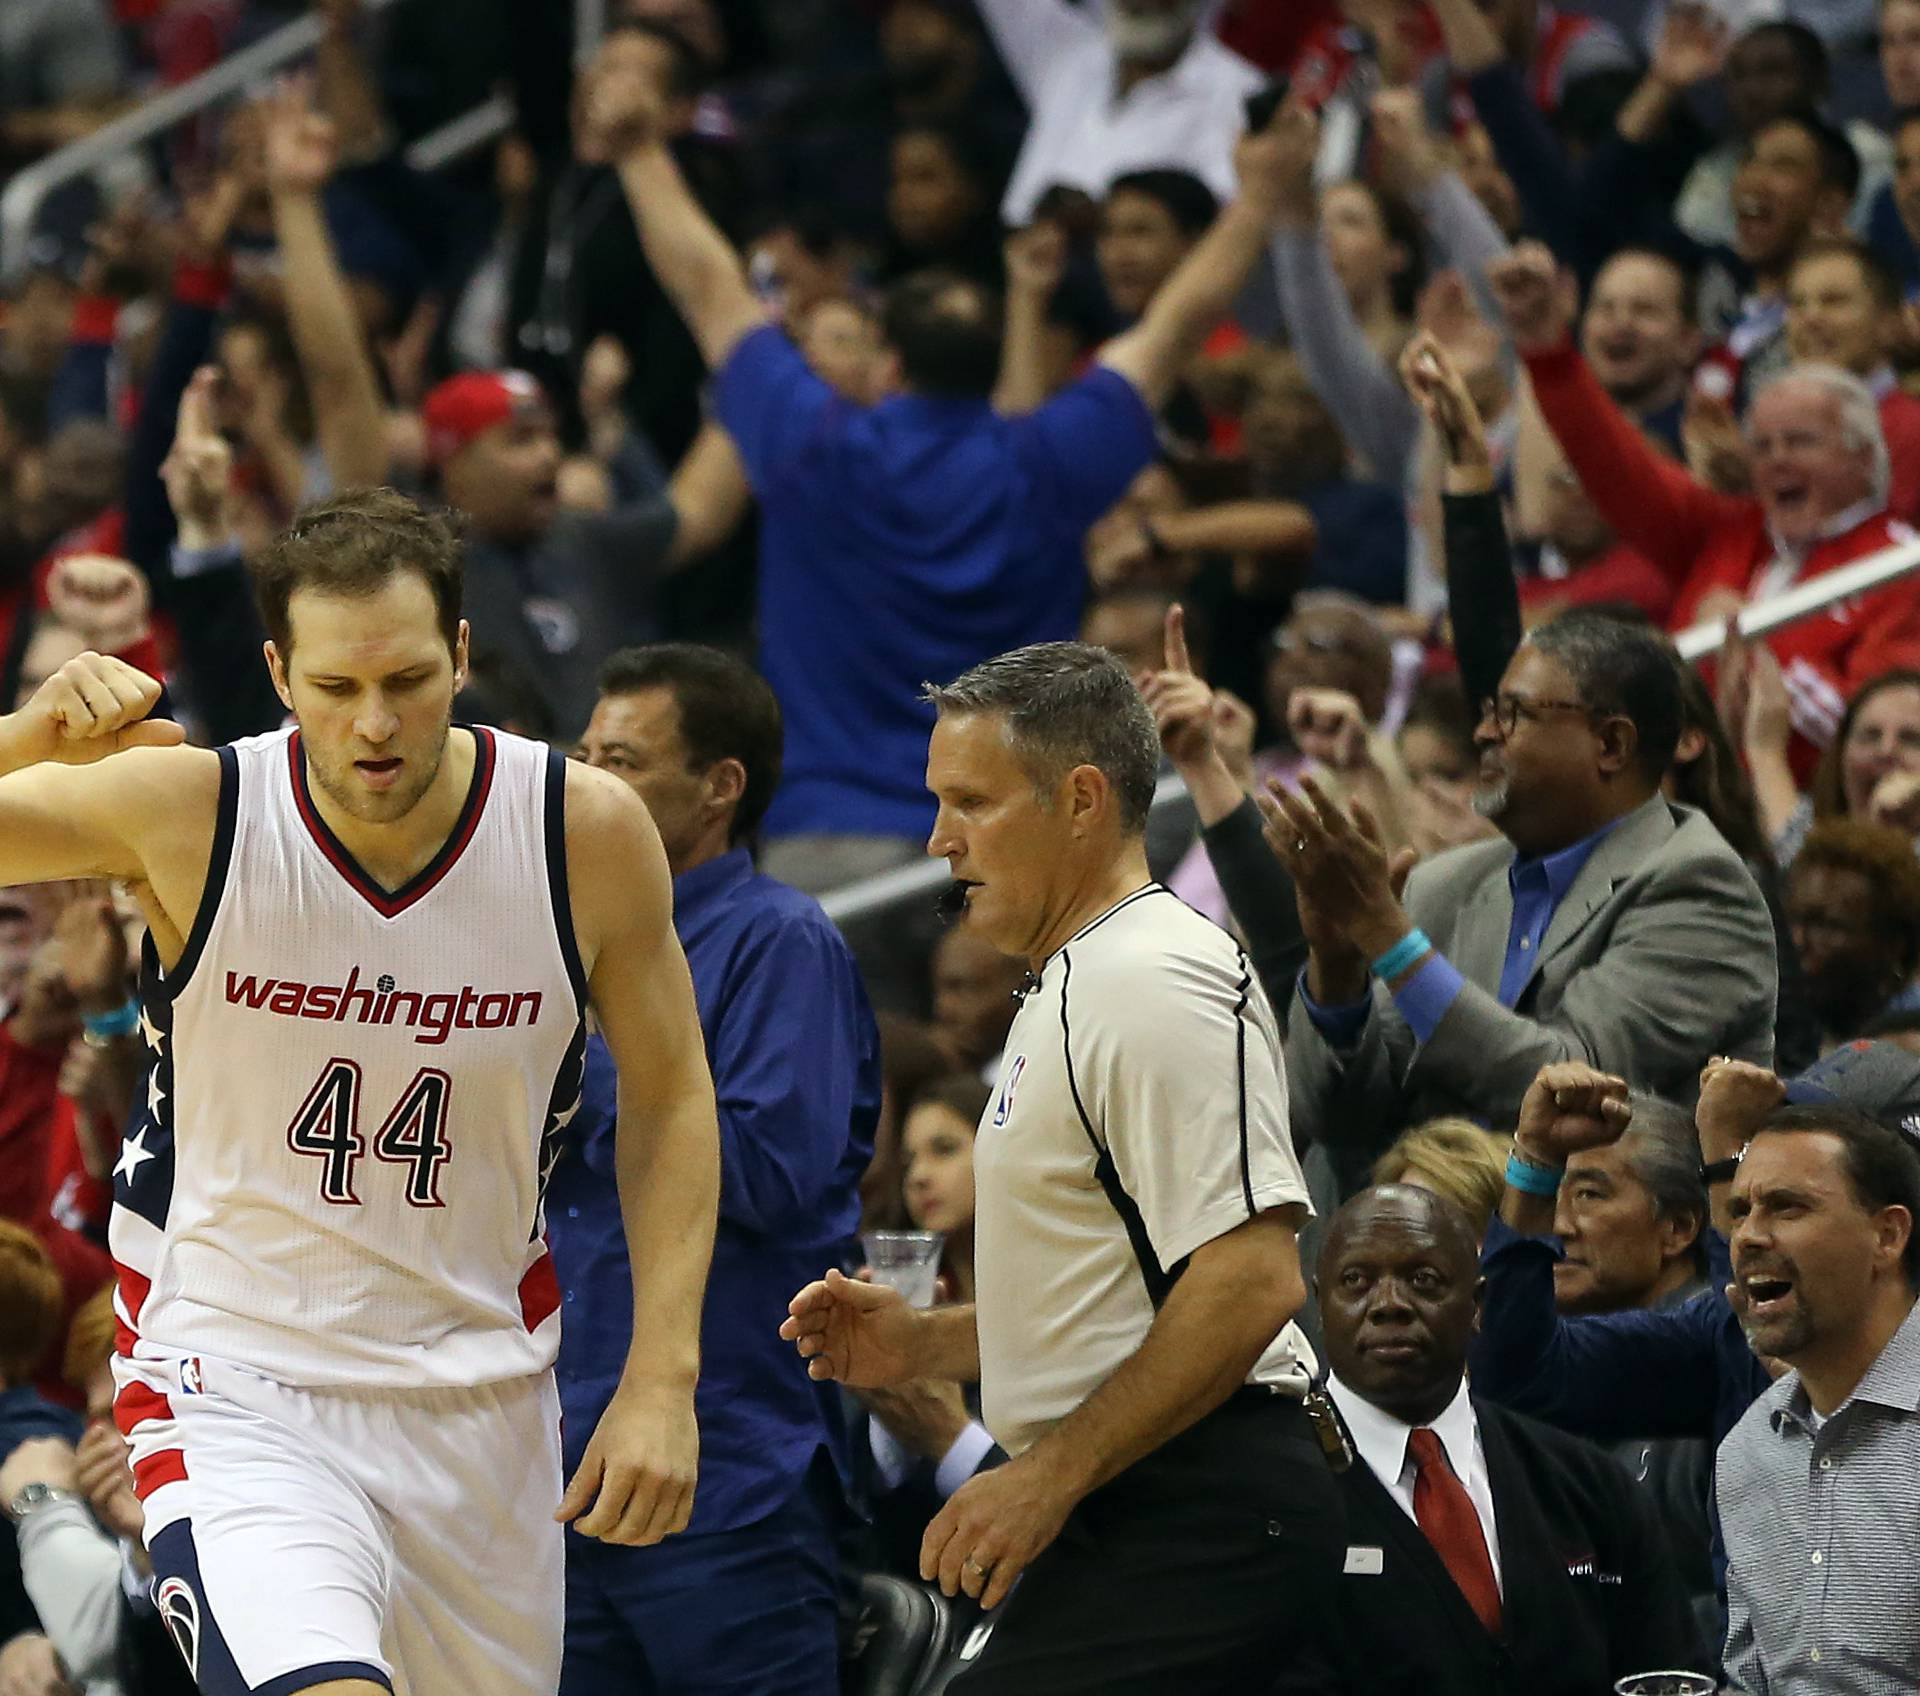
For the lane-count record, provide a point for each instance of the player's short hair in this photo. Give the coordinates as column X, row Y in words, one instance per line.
column 727, row 712
column 351, row 545
column 30, row 1303
column 89, row 1338
column 1066, row 704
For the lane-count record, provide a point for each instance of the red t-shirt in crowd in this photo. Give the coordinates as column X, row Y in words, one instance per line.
column 28, row 1095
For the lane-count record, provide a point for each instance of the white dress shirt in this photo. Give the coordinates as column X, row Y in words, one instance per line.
column 1084, row 134
column 1382, row 1442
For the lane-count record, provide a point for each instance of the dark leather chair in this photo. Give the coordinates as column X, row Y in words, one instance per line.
column 965, row 1639
column 904, row 1633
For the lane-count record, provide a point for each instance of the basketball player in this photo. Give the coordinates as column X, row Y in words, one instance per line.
column 374, row 939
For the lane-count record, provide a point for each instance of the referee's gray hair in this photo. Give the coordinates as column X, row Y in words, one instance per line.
column 1066, row 704
column 1859, row 412
column 1662, row 1150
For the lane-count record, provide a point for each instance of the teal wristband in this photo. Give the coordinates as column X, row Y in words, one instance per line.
column 122, row 1021
column 1411, row 947
column 1524, row 1174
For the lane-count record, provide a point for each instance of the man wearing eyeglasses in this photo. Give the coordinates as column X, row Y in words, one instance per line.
column 1609, row 925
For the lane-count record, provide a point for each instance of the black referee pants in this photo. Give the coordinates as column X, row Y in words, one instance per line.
column 1211, row 1566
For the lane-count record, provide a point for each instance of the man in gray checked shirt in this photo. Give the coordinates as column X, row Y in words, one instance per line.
column 1819, row 1485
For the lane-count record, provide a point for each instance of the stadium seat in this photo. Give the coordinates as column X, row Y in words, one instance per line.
column 904, row 1634
column 966, row 1642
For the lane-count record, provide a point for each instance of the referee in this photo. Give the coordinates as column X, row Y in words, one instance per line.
column 1137, row 1275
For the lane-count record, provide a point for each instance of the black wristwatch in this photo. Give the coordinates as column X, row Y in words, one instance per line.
column 1720, row 1171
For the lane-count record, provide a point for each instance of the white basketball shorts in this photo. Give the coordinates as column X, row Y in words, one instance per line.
column 302, row 1536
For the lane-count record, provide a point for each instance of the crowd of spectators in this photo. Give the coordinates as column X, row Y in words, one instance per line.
column 1386, row 382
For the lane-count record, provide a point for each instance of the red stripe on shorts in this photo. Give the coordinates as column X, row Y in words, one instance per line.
column 166, row 1466
column 136, row 1404
column 539, row 1293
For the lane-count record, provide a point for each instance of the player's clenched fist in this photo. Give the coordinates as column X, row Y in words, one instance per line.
column 94, row 705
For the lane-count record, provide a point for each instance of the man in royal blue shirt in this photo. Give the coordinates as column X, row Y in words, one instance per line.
column 912, row 539
column 745, row 1600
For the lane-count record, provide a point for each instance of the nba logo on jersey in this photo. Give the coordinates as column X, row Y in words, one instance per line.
column 1007, row 1088
column 190, row 1383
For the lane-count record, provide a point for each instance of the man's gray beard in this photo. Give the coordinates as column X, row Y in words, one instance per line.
column 1490, row 799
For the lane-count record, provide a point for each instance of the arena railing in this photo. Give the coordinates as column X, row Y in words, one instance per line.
column 23, row 197
column 878, row 894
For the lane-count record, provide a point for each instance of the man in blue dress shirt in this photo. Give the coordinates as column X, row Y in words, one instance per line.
column 746, row 1599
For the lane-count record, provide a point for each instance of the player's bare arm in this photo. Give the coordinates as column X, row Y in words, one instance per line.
column 639, row 1470
column 91, row 787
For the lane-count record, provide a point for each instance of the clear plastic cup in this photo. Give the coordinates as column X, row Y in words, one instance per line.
column 907, row 1261
column 1667, row 1684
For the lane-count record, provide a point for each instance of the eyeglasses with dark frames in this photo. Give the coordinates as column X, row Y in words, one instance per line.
column 1507, row 709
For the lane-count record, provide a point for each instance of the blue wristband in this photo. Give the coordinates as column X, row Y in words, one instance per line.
column 1411, row 947
column 1523, row 1174
column 122, row 1021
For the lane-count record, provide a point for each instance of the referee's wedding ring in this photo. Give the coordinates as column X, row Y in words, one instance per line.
column 974, row 1567
column 1299, row 844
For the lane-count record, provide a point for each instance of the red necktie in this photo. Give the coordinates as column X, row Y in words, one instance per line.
column 1445, row 1513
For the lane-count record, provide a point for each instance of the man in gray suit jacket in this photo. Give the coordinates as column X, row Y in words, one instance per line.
column 1610, row 925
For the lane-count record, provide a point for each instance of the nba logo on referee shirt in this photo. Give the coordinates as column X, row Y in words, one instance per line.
column 1007, row 1087
column 190, row 1384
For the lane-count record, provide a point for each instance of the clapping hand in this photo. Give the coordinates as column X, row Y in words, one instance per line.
column 1339, row 863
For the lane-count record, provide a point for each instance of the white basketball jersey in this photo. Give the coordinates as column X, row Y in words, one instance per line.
column 354, row 1095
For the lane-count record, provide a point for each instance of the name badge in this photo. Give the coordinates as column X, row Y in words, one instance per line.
column 1367, row 1562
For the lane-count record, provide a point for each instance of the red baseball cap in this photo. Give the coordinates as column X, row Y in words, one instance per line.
column 472, row 403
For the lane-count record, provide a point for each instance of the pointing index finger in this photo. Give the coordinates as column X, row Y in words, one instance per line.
column 1176, row 639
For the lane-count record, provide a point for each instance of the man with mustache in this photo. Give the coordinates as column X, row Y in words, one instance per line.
column 1816, row 1484
column 1485, row 1553
column 1609, row 925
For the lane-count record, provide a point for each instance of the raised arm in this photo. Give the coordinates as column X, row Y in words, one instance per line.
column 1036, row 261
column 1200, row 292
column 1479, row 563
column 1373, row 412
column 695, row 263
column 348, row 417
column 1031, row 34
column 1652, row 503
column 63, row 814
column 710, row 496
column 639, row 1469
